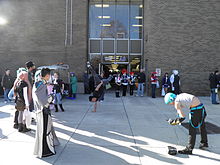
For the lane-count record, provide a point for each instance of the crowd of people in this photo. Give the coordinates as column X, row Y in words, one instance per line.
column 35, row 93
column 38, row 91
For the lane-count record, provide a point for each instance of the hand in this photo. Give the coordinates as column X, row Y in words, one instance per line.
column 176, row 121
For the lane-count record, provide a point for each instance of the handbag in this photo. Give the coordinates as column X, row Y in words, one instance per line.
column 163, row 92
column 158, row 85
column 108, row 86
column 19, row 104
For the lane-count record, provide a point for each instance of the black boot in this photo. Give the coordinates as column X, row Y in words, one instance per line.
column 56, row 107
column 187, row 151
column 203, row 145
column 15, row 126
column 20, row 127
column 25, row 129
column 61, row 107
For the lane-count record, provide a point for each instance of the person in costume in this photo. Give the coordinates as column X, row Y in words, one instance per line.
column 197, row 117
column 45, row 139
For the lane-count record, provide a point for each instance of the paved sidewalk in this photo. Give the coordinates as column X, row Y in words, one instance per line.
column 128, row 130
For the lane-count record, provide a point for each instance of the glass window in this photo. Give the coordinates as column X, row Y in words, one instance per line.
column 108, row 46
column 108, row 19
column 95, row 46
column 95, row 11
column 136, row 19
column 122, row 46
column 122, row 19
column 135, row 46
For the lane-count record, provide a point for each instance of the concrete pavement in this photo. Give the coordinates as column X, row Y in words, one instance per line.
column 128, row 130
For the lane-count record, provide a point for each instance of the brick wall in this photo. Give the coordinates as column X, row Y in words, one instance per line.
column 184, row 35
column 36, row 31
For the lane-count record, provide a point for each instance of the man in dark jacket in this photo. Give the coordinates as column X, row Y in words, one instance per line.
column 213, row 85
column 141, row 80
column 7, row 83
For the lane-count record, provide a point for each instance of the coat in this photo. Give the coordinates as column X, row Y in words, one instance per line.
column 40, row 99
column 73, row 82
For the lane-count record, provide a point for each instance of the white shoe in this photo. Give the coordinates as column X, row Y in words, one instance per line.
column 5, row 102
column 142, row 95
column 136, row 95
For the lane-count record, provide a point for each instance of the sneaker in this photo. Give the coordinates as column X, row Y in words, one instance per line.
column 186, row 151
column 203, row 145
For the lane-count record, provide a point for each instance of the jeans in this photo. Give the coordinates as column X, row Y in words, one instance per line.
column 11, row 94
column 153, row 86
column 213, row 95
column 58, row 99
column 6, row 91
column 140, row 89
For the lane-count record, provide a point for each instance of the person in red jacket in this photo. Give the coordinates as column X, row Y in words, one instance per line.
column 153, row 80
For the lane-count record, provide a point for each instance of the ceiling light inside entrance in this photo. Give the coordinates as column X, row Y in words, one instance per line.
column 101, row 5
column 105, row 17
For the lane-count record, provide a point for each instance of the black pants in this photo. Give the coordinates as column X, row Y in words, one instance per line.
column 196, row 118
column 124, row 90
column 132, row 90
column 117, row 90
column 153, row 86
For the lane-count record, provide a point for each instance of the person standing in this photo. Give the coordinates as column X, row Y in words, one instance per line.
column 213, row 86
column 22, row 102
column 7, row 83
column 58, row 91
column 175, row 82
column 31, row 69
column 45, row 138
column 141, row 81
column 166, row 83
column 124, row 83
column 153, row 80
column 73, row 82
column 118, row 85
column 86, row 83
column 197, row 117
column 132, row 79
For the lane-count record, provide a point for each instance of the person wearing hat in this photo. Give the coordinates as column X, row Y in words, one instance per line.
column 153, row 80
column 73, row 83
column 132, row 79
column 124, row 82
column 197, row 117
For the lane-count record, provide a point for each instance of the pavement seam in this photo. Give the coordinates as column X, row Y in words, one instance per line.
column 131, row 131
column 72, row 135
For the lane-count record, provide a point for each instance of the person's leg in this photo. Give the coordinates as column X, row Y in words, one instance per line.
column 16, row 119
column 5, row 96
column 56, row 102
column 139, row 89
column 213, row 96
column 131, row 89
column 204, row 138
column 153, row 86
column 194, row 121
column 59, row 101
column 95, row 107
column 142, row 89
column 20, row 121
